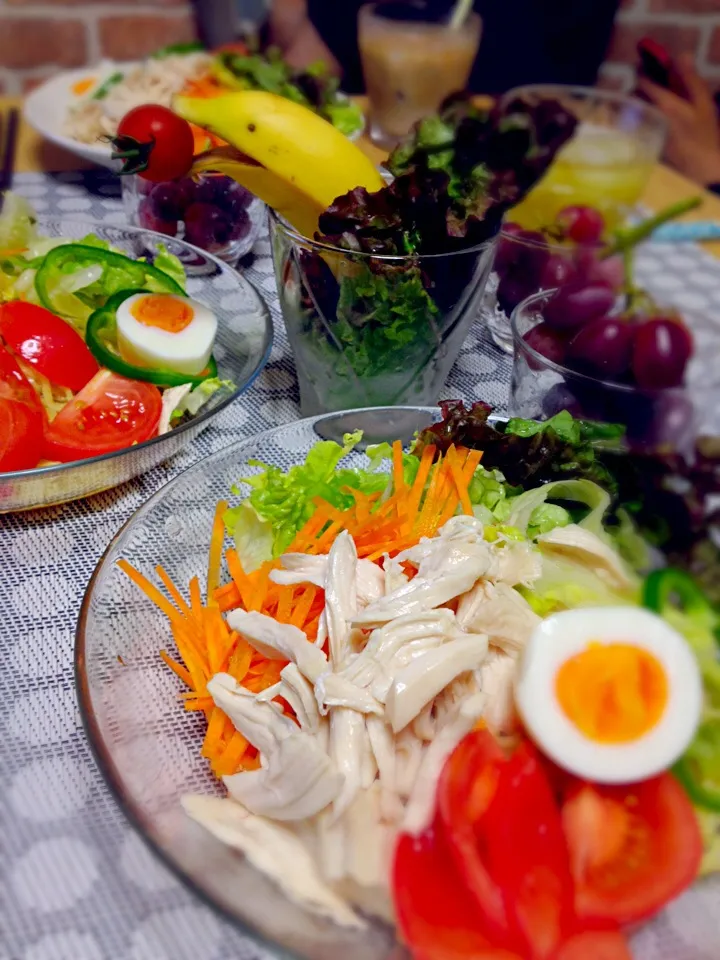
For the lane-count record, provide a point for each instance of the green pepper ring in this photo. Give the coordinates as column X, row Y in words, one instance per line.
column 82, row 252
column 701, row 794
column 101, row 336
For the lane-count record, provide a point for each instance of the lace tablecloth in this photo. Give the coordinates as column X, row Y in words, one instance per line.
column 76, row 883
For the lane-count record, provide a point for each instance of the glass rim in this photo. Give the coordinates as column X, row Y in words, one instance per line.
column 552, row 246
column 589, row 93
column 281, row 224
column 520, row 343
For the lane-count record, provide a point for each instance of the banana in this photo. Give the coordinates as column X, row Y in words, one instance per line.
column 294, row 206
column 299, row 147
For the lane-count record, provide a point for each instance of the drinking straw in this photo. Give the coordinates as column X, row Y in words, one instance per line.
column 459, row 13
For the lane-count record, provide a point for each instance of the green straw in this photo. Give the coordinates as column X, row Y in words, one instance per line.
column 459, row 13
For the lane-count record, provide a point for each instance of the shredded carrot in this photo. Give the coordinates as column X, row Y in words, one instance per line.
column 205, row 643
column 215, row 555
column 177, row 668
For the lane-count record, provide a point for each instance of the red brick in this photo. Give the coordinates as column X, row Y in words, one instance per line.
column 676, row 38
column 130, row 37
column 684, row 6
column 35, row 43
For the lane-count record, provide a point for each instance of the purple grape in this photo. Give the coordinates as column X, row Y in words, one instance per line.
column 603, row 347
column 240, row 225
column 166, row 200
column 149, row 221
column 558, row 271
column 669, row 422
column 561, row 397
column 512, row 290
column 576, row 304
column 609, row 272
column 235, row 200
column 524, row 251
column 206, row 226
column 661, row 350
column 551, row 344
column 507, row 250
column 186, row 191
column 210, row 189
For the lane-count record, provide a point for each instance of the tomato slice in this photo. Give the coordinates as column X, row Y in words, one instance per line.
column 505, row 833
column 437, row 916
column 47, row 343
column 595, row 945
column 632, row 847
column 21, row 435
column 22, row 418
column 110, row 413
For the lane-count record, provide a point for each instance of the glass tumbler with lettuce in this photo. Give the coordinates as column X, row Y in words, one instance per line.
column 378, row 303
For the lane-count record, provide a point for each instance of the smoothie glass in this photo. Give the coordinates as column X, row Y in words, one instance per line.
column 410, row 65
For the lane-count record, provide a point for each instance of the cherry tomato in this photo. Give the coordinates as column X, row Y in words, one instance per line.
column 155, row 143
column 22, row 418
column 632, row 848
column 110, row 413
column 48, row 344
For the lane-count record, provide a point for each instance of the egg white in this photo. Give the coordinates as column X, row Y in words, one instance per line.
column 562, row 636
column 187, row 351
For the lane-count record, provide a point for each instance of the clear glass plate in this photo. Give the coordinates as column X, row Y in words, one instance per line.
column 242, row 347
column 149, row 750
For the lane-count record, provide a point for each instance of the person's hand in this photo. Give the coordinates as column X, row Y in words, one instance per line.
column 693, row 144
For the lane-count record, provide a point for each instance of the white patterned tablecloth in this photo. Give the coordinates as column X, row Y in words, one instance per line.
column 76, row 882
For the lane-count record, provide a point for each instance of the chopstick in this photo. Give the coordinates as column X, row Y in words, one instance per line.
column 7, row 150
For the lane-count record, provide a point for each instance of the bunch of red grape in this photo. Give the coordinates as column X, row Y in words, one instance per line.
column 582, row 326
column 213, row 209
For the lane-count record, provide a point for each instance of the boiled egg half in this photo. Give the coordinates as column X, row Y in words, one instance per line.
column 611, row 694
column 163, row 331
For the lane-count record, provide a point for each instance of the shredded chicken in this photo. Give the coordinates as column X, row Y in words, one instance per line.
column 587, row 548
column 500, row 612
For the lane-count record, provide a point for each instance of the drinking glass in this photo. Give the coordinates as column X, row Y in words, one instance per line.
column 411, row 65
column 369, row 330
column 608, row 161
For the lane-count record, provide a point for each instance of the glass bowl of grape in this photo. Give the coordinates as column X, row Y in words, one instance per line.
column 573, row 250
column 629, row 363
column 212, row 212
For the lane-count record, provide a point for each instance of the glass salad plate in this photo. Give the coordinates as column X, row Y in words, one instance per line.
column 149, row 750
column 242, row 346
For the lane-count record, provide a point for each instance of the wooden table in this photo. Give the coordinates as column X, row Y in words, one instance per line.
column 664, row 187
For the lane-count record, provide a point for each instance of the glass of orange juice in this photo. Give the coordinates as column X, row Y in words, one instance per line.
column 607, row 163
column 411, row 63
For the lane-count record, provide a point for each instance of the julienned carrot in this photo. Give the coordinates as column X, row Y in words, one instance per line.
column 216, row 549
column 202, row 636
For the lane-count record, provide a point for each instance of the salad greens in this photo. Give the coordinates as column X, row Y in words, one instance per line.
column 315, row 87
column 265, row 524
column 378, row 327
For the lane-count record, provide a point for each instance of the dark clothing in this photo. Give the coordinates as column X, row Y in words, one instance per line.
column 523, row 41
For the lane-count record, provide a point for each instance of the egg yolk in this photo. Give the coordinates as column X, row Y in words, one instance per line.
column 82, row 86
column 614, row 692
column 162, row 311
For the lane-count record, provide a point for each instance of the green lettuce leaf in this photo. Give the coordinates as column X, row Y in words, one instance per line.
column 285, row 501
column 169, row 264
column 381, row 452
column 583, row 492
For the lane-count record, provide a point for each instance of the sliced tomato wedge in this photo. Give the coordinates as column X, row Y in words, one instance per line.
column 504, row 829
column 48, row 343
column 595, row 945
column 437, row 916
column 110, row 413
column 632, row 847
column 22, row 418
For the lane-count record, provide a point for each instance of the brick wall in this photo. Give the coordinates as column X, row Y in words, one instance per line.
column 39, row 36
column 678, row 24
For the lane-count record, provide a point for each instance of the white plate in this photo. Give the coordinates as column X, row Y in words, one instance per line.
column 46, row 109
